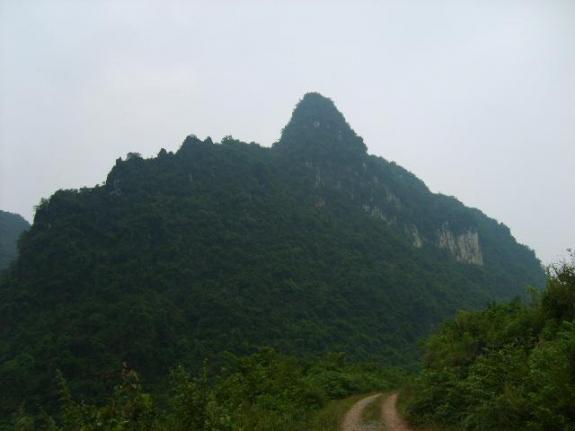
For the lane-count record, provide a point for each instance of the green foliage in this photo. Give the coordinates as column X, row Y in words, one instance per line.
column 11, row 227
column 510, row 367
column 193, row 405
column 329, row 418
column 262, row 392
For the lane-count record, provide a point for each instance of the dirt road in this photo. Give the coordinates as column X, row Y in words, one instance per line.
column 393, row 421
column 390, row 417
column 352, row 420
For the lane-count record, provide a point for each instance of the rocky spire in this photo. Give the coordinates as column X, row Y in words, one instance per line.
column 318, row 128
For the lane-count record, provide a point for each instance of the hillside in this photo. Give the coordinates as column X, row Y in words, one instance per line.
column 310, row 246
column 11, row 227
column 508, row 367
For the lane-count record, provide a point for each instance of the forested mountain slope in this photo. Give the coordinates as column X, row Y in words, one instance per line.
column 11, row 227
column 309, row 246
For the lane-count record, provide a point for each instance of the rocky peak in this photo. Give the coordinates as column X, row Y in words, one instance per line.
column 318, row 128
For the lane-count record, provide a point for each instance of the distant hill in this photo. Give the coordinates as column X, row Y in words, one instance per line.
column 309, row 246
column 11, row 227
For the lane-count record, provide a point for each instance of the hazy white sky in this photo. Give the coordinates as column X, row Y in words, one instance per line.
column 477, row 98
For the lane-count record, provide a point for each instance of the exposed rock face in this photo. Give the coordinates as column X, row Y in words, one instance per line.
column 464, row 247
column 391, row 198
column 414, row 232
column 378, row 213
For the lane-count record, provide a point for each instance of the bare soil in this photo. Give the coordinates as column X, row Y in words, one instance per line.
column 393, row 422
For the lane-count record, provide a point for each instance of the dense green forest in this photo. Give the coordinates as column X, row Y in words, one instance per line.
column 308, row 247
column 11, row 227
column 508, row 367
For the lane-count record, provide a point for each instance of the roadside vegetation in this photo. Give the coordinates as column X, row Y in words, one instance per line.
column 261, row 392
column 509, row 367
column 330, row 417
column 372, row 413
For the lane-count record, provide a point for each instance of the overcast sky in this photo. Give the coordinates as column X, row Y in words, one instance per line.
column 476, row 98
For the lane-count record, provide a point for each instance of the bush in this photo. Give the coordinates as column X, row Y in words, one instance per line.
column 509, row 367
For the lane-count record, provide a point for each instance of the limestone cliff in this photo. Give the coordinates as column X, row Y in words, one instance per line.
column 463, row 246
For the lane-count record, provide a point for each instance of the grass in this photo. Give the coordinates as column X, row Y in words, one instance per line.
column 372, row 413
column 403, row 401
column 330, row 417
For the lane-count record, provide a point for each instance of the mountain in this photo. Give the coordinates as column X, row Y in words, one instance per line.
column 11, row 227
column 309, row 246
